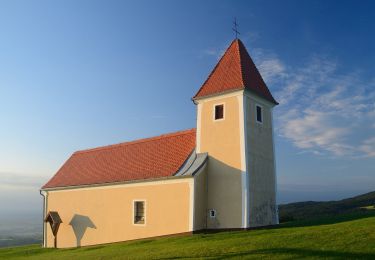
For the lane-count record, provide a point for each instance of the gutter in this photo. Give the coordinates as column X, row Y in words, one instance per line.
column 45, row 196
column 94, row 185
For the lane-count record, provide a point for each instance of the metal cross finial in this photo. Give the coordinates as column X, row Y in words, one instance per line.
column 235, row 28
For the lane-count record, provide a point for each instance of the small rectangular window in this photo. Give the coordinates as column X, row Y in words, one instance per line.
column 259, row 114
column 139, row 212
column 219, row 112
column 212, row 213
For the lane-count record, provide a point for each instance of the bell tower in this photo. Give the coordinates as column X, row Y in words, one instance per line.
column 234, row 126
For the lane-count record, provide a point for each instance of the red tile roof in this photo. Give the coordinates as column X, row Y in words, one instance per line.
column 149, row 158
column 235, row 70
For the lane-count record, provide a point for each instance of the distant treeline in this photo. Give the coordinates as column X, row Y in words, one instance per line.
column 312, row 209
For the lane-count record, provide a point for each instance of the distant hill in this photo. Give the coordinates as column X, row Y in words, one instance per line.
column 20, row 228
column 313, row 209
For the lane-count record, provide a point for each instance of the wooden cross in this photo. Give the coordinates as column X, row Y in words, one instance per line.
column 235, row 28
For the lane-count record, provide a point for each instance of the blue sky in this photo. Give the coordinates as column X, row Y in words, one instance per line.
column 81, row 74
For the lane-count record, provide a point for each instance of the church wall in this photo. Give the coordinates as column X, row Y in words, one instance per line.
column 105, row 214
column 221, row 139
column 200, row 200
column 260, row 164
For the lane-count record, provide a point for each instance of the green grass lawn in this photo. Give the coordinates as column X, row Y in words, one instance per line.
column 343, row 237
column 369, row 207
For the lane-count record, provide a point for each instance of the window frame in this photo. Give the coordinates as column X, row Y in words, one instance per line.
column 134, row 212
column 261, row 114
column 214, row 112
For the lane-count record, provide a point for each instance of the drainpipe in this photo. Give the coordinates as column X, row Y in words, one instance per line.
column 45, row 195
column 207, row 194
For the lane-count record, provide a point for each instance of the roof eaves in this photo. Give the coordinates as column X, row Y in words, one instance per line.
column 219, row 93
column 96, row 185
column 272, row 103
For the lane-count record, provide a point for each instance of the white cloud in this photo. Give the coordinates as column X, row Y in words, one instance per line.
column 368, row 147
column 320, row 109
column 271, row 67
column 312, row 129
column 250, row 37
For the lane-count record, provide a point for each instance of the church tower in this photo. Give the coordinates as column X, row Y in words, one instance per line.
column 234, row 126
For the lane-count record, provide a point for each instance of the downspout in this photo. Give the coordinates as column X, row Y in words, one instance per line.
column 206, row 198
column 45, row 195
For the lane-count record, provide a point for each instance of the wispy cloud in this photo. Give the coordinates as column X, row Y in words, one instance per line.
column 250, row 37
column 321, row 110
column 271, row 67
column 215, row 52
column 312, row 129
column 368, row 147
column 211, row 52
column 20, row 181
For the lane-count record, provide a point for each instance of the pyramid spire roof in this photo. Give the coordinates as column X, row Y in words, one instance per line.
column 234, row 71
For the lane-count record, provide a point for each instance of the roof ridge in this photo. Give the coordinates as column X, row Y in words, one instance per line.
column 138, row 141
column 241, row 63
column 216, row 66
column 246, row 53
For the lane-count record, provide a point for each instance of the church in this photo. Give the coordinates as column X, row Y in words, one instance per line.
column 219, row 175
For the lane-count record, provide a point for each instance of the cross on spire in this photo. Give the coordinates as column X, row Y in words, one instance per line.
column 235, row 27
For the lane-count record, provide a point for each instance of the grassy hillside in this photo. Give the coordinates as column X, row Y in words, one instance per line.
column 346, row 236
column 333, row 229
column 312, row 209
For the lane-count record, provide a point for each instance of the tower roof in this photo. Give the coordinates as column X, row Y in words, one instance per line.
column 235, row 70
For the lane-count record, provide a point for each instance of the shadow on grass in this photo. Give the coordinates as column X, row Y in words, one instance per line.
column 327, row 220
column 289, row 252
column 318, row 221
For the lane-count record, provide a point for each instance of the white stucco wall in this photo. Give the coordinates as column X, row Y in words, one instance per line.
column 260, row 164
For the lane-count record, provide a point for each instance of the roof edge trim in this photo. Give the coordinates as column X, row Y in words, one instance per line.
column 239, row 89
column 97, row 185
column 249, row 92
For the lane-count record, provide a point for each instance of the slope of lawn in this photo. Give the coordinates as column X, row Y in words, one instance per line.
column 346, row 236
